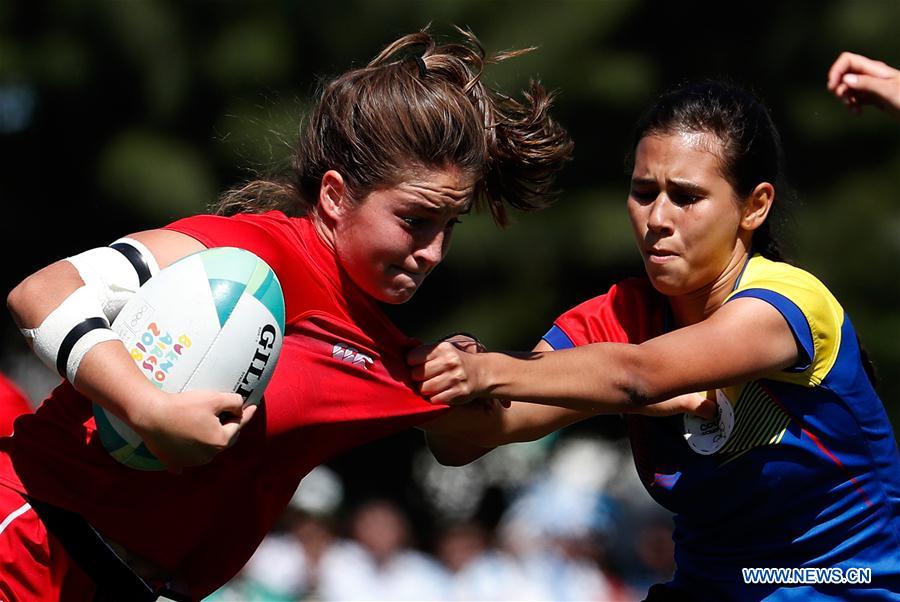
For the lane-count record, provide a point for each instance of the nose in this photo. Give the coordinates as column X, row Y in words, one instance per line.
column 659, row 220
column 432, row 250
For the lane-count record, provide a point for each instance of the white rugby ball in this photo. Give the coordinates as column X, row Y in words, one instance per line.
column 214, row 321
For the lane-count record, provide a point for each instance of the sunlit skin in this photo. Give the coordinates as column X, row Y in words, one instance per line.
column 687, row 221
column 393, row 238
column 694, row 233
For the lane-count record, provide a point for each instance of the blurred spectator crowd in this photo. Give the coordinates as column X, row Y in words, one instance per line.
column 575, row 525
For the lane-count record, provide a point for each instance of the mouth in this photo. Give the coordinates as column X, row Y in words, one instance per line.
column 660, row 255
column 416, row 277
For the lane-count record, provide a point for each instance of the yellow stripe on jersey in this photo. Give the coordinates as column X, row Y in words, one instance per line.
column 758, row 420
column 823, row 313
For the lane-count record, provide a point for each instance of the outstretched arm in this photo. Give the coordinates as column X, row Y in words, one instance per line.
column 469, row 431
column 745, row 339
column 858, row 80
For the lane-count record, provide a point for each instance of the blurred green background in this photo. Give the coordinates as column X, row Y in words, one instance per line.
column 118, row 116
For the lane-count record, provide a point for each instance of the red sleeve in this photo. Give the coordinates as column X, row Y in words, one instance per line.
column 630, row 312
column 12, row 405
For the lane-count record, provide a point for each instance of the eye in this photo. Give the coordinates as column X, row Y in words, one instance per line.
column 413, row 222
column 683, row 198
column 643, row 196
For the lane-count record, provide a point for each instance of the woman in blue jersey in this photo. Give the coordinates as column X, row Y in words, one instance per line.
column 799, row 469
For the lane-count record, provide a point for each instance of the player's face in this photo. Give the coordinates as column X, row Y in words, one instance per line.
column 685, row 214
column 391, row 241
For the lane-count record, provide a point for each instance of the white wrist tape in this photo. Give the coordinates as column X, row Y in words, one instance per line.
column 115, row 273
column 69, row 332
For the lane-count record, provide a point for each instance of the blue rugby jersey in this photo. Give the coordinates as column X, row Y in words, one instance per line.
column 809, row 475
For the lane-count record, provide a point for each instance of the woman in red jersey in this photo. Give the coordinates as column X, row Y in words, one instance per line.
column 392, row 155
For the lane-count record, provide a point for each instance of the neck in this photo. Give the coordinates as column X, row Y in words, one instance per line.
column 698, row 305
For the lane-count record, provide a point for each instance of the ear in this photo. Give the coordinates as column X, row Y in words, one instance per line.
column 333, row 199
column 757, row 206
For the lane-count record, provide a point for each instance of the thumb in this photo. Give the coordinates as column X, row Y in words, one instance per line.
column 230, row 404
column 880, row 86
column 419, row 355
column 248, row 413
column 706, row 408
column 233, row 428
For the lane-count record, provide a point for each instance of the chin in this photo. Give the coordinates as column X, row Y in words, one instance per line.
column 665, row 286
column 396, row 297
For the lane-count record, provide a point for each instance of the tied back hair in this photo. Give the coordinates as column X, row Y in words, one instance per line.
column 751, row 153
column 420, row 105
column 751, row 149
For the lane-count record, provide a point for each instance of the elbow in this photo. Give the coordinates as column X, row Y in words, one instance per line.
column 638, row 385
column 17, row 300
column 33, row 298
column 637, row 397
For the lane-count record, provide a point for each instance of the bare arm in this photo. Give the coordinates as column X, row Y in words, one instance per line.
column 183, row 429
column 469, row 431
column 744, row 339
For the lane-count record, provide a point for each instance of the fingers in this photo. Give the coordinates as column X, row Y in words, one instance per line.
column 858, row 80
column 231, row 405
column 838, row 69
column 850, row 63
column 429, row 360
column 419, row 355
column 706, row 409
column 878, row 86
column 232, row 428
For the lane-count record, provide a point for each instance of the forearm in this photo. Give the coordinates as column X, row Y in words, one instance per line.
column 109, row 377
column 485, row 426
column 453, row 451
column 598, row 379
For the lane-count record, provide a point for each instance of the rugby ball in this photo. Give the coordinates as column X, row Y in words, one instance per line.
column 214, row 321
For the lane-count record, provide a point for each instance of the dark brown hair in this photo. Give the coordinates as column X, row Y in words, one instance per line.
column 420, row 104
column 751, row 153
column 751, row 145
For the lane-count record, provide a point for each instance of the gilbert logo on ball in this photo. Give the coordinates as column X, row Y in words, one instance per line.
column 213, row 321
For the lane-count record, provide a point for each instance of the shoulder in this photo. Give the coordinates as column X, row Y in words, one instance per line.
column 211, row 227
column 780, row 277
column 777, row 282
column 273, row 236
column 622, row 297
column 810, row 309
column 630, row 312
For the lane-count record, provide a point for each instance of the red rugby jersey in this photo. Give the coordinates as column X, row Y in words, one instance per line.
column 341, row 381
column 12, row 405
